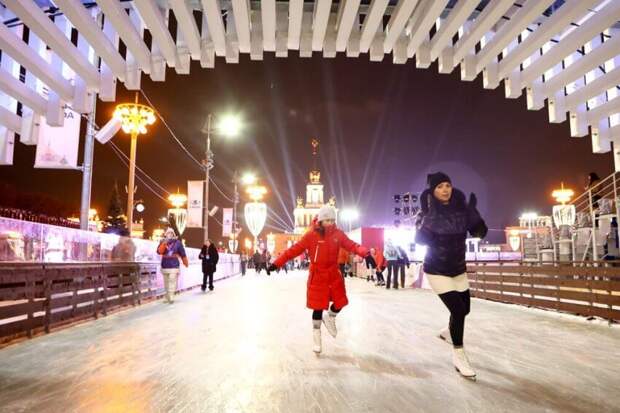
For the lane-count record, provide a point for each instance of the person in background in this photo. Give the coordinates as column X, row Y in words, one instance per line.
column 257, row 259
column 375, row 266
column 403, row 261
column 391, row 256
column 243, row 260
column 210, row 257
column 171, row 251
column 380, row 267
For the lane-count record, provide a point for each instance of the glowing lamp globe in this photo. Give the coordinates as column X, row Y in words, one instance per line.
column 134, row 117
column 563, row 195
column 255, row 217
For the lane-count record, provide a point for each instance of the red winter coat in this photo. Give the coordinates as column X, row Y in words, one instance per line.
column 325, row 283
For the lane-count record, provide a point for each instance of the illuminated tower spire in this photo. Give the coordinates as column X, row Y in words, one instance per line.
column 315, row 174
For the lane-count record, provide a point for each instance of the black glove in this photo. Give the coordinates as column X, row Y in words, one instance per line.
column 473, row 201
column 271, row 268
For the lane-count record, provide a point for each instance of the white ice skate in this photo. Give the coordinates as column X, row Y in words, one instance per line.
column 461, row 364
column 445, row 335
column 316, row 336
column 330, row 324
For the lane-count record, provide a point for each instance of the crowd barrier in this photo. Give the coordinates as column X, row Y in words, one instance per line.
column 51, row 276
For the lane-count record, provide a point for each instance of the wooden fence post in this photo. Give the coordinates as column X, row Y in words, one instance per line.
column 48, row 299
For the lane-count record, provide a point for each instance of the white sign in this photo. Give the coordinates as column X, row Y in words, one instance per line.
column 58, row 145
column 227, row 219
column 195, row 196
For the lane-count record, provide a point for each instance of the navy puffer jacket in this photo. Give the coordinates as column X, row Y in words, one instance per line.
column 443, row 229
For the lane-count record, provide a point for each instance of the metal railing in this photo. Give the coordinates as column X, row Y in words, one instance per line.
column 595, row 204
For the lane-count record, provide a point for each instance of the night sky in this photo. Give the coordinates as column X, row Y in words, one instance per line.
column 382, row 128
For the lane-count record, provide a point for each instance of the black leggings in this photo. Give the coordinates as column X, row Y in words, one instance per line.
column 318, row 314
column 459, row 304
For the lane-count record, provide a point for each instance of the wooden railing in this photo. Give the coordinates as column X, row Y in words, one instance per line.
column 37, row 297
column 592, row 290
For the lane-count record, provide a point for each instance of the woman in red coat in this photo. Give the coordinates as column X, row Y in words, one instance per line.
column 325, row 283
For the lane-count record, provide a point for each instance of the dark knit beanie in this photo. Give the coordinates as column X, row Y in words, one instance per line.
column 437, row 178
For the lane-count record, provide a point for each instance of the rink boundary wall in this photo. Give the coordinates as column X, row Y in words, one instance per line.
column 35, row 298
column 591, row 291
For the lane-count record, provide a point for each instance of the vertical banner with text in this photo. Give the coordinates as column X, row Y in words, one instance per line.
column 58, row 145
column 227, row 218
column 195, row 199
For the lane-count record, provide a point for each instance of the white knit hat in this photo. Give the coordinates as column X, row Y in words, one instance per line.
column 327, row 212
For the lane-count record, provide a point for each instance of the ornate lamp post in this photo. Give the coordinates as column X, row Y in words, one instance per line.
column 256, row 212
column 564, row 218
column 178, row 212
column 134, row 118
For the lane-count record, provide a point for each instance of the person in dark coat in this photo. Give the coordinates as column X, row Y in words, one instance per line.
column 258, row 262
column 209, row 257
column 403, row 261
column 442, row 226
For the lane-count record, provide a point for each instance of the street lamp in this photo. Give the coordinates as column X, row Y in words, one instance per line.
column 178, row 212
column 134, row 118
column 349, row 215
column 228, row 125
column 256, row 212
column 564, row 218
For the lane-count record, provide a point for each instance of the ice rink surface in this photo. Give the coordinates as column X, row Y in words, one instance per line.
column 246, row 347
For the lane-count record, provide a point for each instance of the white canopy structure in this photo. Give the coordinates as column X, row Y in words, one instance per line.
column 564, row 55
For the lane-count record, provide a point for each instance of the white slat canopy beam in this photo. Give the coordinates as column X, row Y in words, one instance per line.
column 319, row 23
column 593, row 89
column 10, row 120
column 597, row 57
column 213, row 11
column 422, row 22
column 268, row 14
column 154, row 21
column 451, row 25
column 241, row 8
column 115, row 13
column 559, row 20
column 87, row 27
column 603, row 111
column 347, row 14
column 600, row 21
column 373, row 19
column 509, row 31
column 187, row 24
column 12, row 45
column 481, row 25
column 295, row 15
column 398, row 20
column 34, row 17
column 22, row 93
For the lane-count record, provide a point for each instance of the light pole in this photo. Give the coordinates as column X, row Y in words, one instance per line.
column 564, row 218
column 229, row 125
column 133, row 117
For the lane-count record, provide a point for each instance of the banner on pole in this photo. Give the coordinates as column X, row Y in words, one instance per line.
column 195, row 197
column 58, row 146
column 227, row 218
